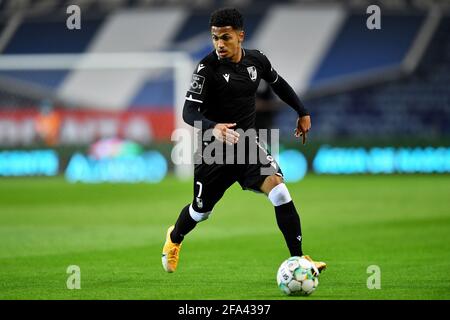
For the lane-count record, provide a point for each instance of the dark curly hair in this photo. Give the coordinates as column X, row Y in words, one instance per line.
column 227, row 17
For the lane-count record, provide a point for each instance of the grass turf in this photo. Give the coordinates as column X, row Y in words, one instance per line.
column 115, row 233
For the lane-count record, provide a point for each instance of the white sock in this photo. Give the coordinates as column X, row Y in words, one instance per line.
column 279, row 195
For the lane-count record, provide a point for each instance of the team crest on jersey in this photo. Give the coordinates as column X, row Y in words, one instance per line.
column 252, row 73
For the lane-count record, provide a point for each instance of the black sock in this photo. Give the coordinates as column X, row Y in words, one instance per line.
column 183, row 226
column 289, row 223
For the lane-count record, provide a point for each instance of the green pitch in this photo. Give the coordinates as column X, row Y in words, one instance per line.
column 115, row 233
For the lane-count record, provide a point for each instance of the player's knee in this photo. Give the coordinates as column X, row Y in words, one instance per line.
column 198, row 216
column 279, row 195
column 273, row 180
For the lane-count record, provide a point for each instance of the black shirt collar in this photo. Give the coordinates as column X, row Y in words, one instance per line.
column 227, row 60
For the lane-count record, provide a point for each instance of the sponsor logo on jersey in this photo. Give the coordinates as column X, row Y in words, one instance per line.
column 227, row 76
column 200, row 67
column 197, row 83
column 252, row 73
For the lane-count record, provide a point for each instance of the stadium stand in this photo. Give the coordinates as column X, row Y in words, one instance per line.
column 415, row 106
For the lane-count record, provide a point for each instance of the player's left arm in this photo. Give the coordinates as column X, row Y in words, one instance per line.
column 288, row 95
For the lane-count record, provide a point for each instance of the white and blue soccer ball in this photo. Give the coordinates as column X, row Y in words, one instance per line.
column 297, row 276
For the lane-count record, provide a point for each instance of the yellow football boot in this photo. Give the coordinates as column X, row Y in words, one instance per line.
column 320, row 265
column 170, row 253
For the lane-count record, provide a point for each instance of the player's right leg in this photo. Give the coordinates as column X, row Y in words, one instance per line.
column 186, row 222
column 210, row 183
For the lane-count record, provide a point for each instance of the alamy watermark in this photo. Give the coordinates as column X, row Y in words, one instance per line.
column 374, row 280
column 210, row 146
column 374, row 20
column 73, row 21
column 74, row 280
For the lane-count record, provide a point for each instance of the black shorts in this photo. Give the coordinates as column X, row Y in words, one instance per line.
column 212, row 180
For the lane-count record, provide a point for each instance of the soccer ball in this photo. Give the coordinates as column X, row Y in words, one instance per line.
column 297, row 276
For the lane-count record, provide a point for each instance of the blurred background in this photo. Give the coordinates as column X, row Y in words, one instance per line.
column 379, row 99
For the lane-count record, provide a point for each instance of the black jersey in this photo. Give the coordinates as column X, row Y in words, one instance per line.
column 222, row 91
column 225, row 91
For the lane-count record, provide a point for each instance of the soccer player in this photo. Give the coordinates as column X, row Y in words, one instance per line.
column 222, row 98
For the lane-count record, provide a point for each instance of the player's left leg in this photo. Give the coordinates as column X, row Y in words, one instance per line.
column 286, row 214
column 268, row 178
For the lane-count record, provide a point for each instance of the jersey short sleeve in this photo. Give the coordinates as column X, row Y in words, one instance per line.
column 269, row 73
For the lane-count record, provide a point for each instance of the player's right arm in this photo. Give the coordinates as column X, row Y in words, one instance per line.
column 195, row 103
column 196, row 99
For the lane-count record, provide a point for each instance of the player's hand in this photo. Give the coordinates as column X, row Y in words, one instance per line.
column 224, row 133
column 303, row 126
